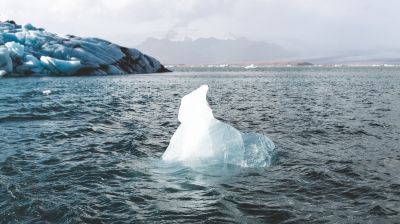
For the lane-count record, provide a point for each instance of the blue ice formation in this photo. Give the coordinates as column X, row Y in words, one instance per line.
column 27, row 50
column 201, row 138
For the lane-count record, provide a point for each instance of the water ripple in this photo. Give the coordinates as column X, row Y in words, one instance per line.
column 89, row 150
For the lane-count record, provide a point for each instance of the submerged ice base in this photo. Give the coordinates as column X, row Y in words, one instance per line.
column 202, row 138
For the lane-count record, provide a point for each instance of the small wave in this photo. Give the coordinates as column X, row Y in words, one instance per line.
column 348, row 171
column 382, row 211
column 23, row 117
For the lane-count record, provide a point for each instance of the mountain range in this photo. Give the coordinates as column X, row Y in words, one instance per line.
column 212, row 51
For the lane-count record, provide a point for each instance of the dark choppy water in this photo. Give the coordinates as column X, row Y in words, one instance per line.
column 89, row 151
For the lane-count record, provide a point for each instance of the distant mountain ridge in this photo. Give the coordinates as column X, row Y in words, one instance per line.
column 212, row 50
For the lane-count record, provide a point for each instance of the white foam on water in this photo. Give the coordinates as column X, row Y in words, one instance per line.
column 46, row 92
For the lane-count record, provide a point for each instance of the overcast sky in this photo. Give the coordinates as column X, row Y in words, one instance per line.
column 305, row 25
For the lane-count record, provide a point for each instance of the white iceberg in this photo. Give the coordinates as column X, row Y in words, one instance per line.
column 201, row 138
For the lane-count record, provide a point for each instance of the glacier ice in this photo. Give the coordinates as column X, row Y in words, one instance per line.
column 59, row 66
column 27, row 50
column 202, row 138
column 15, row 48
column 6, row 65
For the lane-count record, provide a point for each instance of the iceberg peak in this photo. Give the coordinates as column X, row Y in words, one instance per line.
column 194, row 107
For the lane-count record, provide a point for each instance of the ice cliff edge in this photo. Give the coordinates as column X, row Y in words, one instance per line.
column 27, row 50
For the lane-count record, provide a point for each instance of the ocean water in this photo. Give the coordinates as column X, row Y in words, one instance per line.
column 87, row 149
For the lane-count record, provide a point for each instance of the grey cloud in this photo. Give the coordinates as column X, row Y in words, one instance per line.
column 313, row 27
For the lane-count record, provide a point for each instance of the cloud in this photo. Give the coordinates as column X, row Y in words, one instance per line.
column 309, row 26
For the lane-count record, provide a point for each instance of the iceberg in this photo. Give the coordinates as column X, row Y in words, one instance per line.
column 201, row 138
column 27, row 50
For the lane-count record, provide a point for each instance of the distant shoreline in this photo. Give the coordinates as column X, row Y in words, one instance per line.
column 280, row 65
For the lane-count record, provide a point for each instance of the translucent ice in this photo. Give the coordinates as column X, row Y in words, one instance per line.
column 6, row 65
column 15, row 48
column 58, row 66
column 202, row 138
column 31, row 64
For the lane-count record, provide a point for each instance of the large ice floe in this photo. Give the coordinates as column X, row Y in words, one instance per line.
column 202, row 139
column 27, row 50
